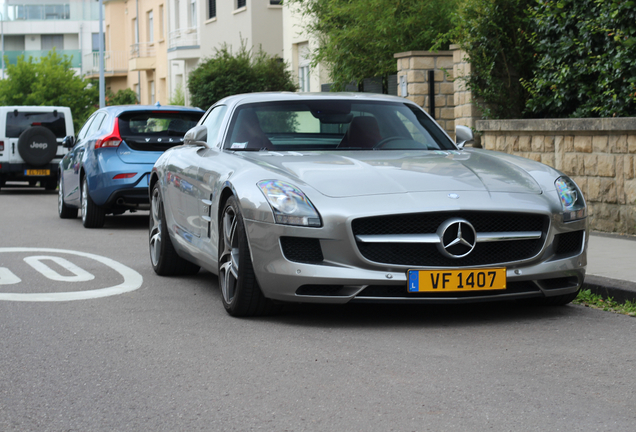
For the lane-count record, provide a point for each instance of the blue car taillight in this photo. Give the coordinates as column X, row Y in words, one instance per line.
column 112, row 140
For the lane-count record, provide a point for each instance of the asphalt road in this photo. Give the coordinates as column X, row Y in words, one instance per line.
column 138, row 352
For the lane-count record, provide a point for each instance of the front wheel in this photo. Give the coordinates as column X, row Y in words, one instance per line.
column 163, row 256
column 93, row 216
column 240, row 292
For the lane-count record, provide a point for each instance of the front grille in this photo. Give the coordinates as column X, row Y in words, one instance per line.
column 395, row 291
column 301, row 249
column 568, row 244
column 427, row 255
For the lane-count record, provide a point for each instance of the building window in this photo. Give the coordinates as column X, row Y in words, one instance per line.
column 211, row 9
column 177, row 14
column 161, row 27
column 95, row 42
column 151, row 84
column 275, row 2
column 193, row 13
column 303, row 67
column 151, row 27
column 52, row 41
column 241, row 3
column 135, row 30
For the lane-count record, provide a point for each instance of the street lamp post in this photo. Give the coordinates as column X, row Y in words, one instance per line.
column 2, row 36
column 102, row 85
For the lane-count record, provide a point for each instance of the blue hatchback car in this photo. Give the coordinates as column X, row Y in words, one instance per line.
column 106, row 170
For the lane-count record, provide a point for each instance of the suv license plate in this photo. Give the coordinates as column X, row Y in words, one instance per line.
column 36, row 172
column 456, row 280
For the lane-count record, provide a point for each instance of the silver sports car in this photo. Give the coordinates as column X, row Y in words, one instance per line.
column 337, row 198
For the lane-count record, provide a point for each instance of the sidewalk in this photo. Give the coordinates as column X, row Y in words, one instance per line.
column 611, row 266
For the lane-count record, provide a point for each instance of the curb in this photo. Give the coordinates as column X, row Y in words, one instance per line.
column 619, row 290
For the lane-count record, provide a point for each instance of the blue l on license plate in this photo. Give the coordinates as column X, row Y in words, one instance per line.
column 456, row 280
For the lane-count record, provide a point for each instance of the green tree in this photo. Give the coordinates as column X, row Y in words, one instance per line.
column 49, row 80
column 226, row 74
column 493, row 33
column 586, row 59
column 178, row 97
column 358, row 38
column 122, row 97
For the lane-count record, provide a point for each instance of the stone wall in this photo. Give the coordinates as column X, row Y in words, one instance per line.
column 599, row 155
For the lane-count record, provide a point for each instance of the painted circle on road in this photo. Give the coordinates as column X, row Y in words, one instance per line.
column 132, row 280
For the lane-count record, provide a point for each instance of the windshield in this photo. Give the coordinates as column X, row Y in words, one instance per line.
column 19, row 121
column 333, row 125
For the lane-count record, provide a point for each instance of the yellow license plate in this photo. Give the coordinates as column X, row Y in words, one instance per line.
column 456, row 280
column 37, row 172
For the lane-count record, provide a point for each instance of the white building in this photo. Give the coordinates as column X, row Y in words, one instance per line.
column 196, row 28
column 34, row 27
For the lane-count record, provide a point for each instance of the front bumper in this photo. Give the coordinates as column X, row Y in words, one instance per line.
column 344, row 275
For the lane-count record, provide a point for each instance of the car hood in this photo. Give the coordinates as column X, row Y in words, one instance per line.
column 347, row 174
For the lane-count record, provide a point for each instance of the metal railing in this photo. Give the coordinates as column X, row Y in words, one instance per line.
column 142, row 49
column 183, row 37
column 114, row 61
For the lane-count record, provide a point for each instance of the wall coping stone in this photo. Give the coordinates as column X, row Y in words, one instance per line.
column 559, row 125
column 422, row 54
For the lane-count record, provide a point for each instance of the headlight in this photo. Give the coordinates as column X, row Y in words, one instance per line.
column 289, row 204
column 572, row 201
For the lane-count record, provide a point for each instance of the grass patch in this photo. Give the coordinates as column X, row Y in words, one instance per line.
column 587, row 298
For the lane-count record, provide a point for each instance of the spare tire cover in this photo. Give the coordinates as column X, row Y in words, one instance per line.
column 37, row 145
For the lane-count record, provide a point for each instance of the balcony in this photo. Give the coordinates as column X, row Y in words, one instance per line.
column 74, row 55
column 183, row 38
column 82, row 10
column 115, row 64
column 142, row 57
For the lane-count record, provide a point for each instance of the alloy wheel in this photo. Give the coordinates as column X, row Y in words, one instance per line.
column 229, row 260
column 156, row 228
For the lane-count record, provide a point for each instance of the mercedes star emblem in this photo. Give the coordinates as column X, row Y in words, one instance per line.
column 457, row 238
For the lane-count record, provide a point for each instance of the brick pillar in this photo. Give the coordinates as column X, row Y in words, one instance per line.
column 466, row 112
column 413, row 67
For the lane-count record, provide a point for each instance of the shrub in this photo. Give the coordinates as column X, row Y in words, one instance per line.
column 122, row 97
column 178, row 97
column 226, row 74
column 586, row 59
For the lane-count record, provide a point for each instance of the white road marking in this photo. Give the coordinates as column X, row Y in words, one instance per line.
column 132, row 279
column 81, row 275
column 7, row 277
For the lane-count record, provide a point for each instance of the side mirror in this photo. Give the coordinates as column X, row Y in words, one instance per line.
column 463, row 135
column 197, row 136
column 68, row 141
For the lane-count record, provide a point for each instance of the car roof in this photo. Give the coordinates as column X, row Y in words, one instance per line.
column 119, row 109
column 289, row 96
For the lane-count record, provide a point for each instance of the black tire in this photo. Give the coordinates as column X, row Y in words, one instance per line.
column 37, row 145
column 93, row 216
column 163, row 257
column 64, row 211
column 240, row 292
column 49, row 184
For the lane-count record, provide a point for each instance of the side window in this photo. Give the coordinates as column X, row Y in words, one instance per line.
column 82, row 133
column 97, row 123
column 213, row 123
